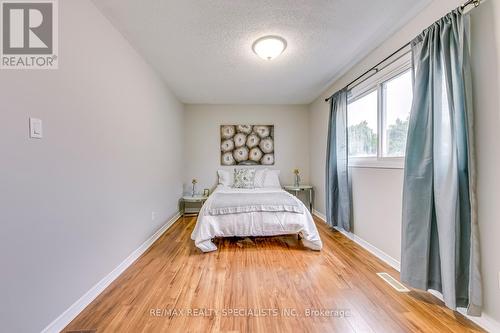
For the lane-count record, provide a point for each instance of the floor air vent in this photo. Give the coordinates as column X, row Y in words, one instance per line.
column 393, row 282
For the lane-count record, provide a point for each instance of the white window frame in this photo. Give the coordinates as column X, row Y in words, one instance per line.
column 376, row 83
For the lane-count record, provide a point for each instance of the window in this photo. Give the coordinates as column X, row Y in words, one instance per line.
column 398, row 96
column 362, row 126
column 377, row 119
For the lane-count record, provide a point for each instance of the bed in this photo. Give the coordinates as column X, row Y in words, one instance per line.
column 261, row 211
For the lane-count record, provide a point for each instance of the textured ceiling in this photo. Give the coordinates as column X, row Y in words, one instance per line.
column 203, row 48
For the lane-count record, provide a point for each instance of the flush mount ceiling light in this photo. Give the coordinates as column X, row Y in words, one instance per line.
column 269, row 47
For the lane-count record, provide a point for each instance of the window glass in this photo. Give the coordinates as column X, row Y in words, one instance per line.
column 398, row 96
column 362, row 126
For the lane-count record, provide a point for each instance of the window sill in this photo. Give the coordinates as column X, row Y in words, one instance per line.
column 376, row 163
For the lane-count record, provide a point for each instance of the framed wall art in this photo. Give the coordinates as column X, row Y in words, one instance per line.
column 247, row 144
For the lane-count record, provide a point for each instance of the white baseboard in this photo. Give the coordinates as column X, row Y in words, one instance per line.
column 485, row 321
column 364, row 244
column 67, row 316
column 320, row 215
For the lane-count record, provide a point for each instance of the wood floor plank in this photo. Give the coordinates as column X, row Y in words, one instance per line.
column 263, row 284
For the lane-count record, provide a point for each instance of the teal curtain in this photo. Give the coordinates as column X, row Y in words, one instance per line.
column 439, row 234
column 338, row 194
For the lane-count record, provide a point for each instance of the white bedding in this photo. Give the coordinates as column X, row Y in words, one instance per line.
column 251, row 201
column 253, row 223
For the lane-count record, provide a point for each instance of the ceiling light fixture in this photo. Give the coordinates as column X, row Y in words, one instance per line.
column 269, row 47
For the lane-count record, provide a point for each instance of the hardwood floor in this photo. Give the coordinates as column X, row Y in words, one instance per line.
column 262, row 285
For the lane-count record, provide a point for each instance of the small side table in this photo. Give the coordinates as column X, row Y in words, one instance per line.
column 198, row 200
column 295, row 190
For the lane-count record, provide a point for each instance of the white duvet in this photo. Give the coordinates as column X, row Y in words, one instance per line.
column 253, row 223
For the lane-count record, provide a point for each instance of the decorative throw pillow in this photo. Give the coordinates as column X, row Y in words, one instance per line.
column 243, row 178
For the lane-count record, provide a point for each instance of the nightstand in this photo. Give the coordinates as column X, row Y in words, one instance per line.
column 195, row 204
column 295, row 190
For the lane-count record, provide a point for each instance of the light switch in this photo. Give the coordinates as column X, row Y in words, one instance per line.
column 36, row 128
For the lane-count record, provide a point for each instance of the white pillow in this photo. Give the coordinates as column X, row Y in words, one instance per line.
column 272, row 178
column 226, row 178
column 260, row 175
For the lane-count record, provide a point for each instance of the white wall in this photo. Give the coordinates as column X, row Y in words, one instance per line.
column 202, row 139
column 486, row 81
column 377, row 192
column 377, row 204
column 76, row 203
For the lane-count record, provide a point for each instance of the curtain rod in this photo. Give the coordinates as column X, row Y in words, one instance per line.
column 376, row 69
